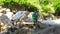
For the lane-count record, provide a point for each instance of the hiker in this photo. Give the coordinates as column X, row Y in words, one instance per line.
column 35, row 17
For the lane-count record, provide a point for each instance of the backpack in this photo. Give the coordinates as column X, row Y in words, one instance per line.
column 35, row 16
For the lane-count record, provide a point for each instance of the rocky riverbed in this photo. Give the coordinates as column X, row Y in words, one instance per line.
column 12, row 25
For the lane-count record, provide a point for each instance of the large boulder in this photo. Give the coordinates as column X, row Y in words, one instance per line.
column 20, row 15
column 5, row 20
column 53, row 22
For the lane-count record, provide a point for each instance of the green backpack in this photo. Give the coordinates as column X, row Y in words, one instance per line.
column 35, row 16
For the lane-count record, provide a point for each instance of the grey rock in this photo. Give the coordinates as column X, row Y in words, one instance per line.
column 4, row 19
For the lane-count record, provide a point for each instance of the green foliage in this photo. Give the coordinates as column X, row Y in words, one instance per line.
column 1, row 2
column 16, row 4
column 48, row 9
column 56, row 4
column 45, row 2
column 45, row 6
